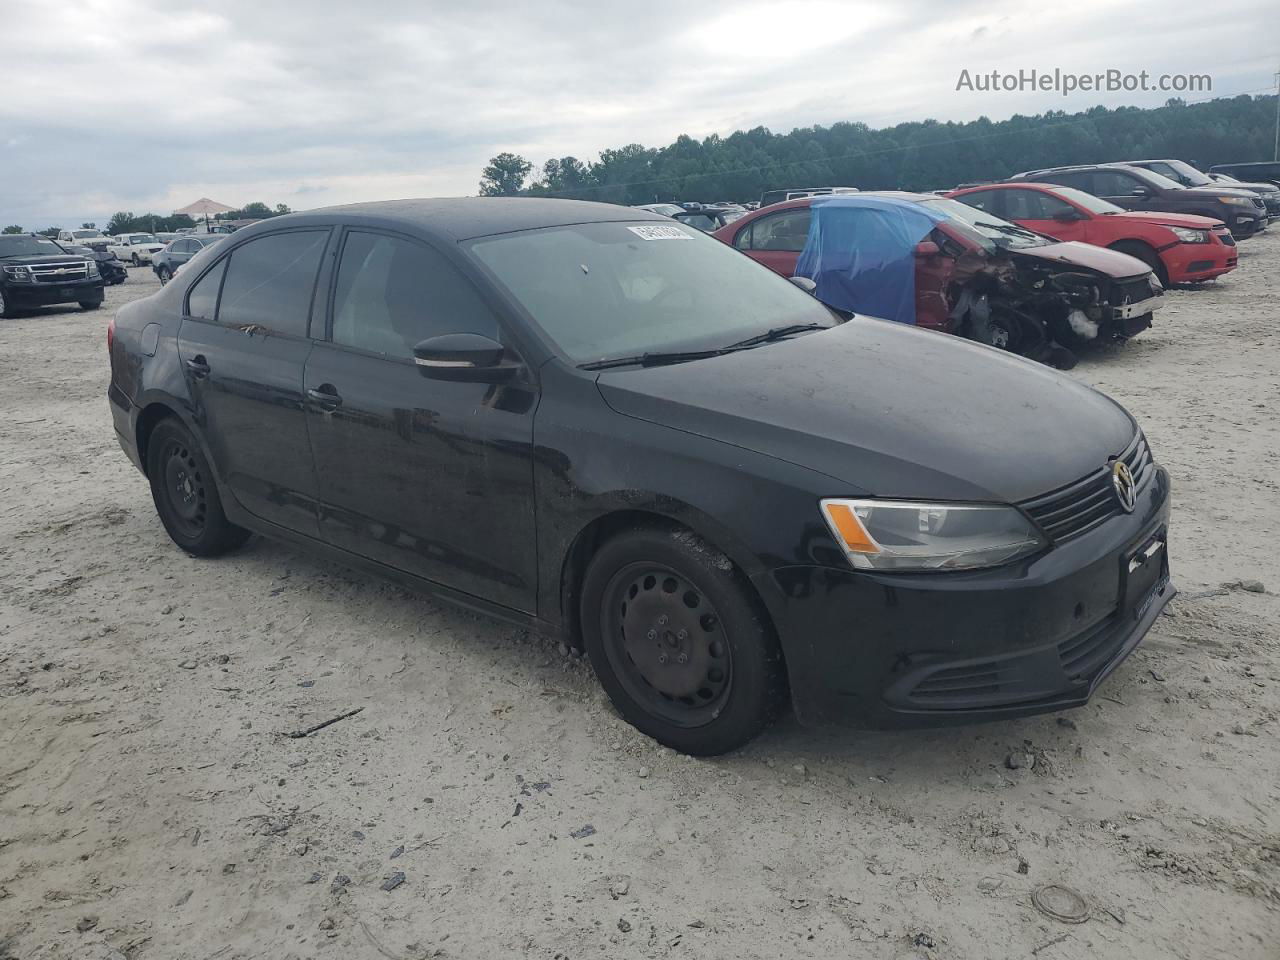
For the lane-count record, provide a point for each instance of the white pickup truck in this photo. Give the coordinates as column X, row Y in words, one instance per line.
column 135, row 248
column 86, row 237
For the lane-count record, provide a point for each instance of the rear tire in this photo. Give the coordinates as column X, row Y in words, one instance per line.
column 679, row 641
column 185, row 494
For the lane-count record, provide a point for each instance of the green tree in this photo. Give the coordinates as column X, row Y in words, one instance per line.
column 254, row 211
column 51, row 232
column 282, row 209
column 13, row 229
column 504, row 176
column 121, row 221
column 88, row 226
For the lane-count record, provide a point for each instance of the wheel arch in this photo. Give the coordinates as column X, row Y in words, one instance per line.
column 601, row 528
column 1156, row 262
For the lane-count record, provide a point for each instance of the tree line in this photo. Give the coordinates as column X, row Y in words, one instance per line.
column 126, row 221
column 922, row 155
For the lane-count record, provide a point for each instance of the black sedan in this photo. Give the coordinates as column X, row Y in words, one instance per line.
column 593, row 420
column 165, row 263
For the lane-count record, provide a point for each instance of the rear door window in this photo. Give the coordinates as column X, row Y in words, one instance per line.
column 202, row 300
column 785, row 231
column 1114, row 183
column 271, row 281
column 988, row 200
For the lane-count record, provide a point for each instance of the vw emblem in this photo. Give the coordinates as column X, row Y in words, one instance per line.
column 1126, row 489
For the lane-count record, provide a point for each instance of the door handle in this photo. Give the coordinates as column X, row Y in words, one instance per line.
column 198, row 366
column 325, row 396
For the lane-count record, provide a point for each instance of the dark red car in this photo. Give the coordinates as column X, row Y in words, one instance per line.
column 1179, row 247
column 984, row 278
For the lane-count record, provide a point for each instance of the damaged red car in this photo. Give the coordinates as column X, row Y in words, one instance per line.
column 1178, row 247
column 937, row 263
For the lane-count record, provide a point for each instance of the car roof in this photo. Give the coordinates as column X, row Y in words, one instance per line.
column 464, row 218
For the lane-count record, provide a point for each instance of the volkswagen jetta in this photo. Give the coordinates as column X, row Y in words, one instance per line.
column 595, row 420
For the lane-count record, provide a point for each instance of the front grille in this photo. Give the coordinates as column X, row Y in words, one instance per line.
column 1077, row 508
column 1132, row 291
column 1226, row 237
column 68, row 272
column 1086, row 653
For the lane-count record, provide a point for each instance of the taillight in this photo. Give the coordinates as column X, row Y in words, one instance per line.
column 111, row 335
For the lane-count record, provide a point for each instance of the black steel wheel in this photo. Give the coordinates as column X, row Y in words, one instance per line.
column 665, row 640
column 680, row 641
column 185, row 494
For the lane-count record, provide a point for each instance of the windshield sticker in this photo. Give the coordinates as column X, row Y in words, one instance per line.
column 659, row 232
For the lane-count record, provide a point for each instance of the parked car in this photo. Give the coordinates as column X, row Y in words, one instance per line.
column 112, row 270
column 705, row 218
column 1184, row 173
column 137, row 248
column 666, row 209
column 1268, row 170
column 592, row 420
column 166, row 263
column 797, row 193
column 1134, row 188
column 36, row 272
column 965, row 272
column 85, row 237
column 1180, row 248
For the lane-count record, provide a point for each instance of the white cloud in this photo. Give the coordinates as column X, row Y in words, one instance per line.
column 141, row 104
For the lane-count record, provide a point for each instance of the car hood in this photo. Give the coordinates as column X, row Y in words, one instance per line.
column 34, row 260
column 1197, row 193
column 1250, row 187
column 1111, row 262
column 888, row 410
column 1188, row 220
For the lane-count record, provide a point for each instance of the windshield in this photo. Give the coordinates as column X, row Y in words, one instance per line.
column 1087, row 200
column 86, row 234
column 25, row 245
column 607, row 290
column 142, row 238
column 1154, row 179
column 1000, row 232
column 1188, row 175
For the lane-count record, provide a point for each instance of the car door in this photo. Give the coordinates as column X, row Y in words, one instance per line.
column 775, row 239
column 243, row 344
column 1123, row 189
column 431, row 477
column 1041, row 212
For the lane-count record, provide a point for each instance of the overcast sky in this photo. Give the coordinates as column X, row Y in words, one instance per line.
column 129, row 104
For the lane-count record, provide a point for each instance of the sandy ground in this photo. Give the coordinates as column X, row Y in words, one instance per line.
column 152, row 806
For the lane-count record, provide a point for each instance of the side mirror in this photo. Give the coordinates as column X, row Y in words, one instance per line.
column 1070, row 215
column 805, row 284
column 467, row 357
column 926, row 248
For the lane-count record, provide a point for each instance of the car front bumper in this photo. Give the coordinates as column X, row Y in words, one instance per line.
column 1187, row 262
column 908, row 650
column 26, row 295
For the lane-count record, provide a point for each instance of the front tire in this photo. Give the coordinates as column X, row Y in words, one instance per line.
column 185, row 495
column 6, row 311
column 137, row 261
column 1148, row 255
column 90, row 304
column 165, row 275
column 679, row 641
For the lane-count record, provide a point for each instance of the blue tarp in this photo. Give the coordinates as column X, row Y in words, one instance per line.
column 861, row 253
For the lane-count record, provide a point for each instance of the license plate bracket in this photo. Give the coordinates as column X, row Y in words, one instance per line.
column 1141, row 573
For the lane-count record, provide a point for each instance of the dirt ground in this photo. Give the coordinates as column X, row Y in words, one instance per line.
column 487, row 801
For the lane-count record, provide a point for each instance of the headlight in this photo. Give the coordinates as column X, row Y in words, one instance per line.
column 898, row 535
column 18, row 274
column 1191, row 236
column 92, row 268
column 1237, row 201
